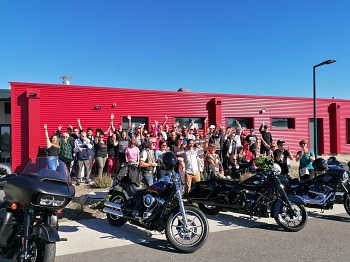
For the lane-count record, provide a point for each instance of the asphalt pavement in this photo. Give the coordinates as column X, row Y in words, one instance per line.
column 232, row 237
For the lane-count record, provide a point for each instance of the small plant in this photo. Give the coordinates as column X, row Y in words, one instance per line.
column 80, row 203
column 263, row 162
column 99, row 205
column 103, row 182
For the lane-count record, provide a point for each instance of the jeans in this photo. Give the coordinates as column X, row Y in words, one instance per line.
column 52, row 162
column 149, row 178
column 61, row 168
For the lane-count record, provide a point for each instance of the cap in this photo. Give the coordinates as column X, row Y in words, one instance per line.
column 212, row 126
column 252, row 130
column 266, row 126
column 280, row 142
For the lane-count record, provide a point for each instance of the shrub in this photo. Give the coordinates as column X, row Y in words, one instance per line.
column 263, row 162
column 103, row 182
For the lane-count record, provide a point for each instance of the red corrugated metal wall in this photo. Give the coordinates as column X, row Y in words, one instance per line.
column 63, row 104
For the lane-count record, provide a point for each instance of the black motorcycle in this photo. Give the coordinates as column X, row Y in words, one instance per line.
column 321, row 191
column 28, row 212
column 261, row 195
column 159, row 207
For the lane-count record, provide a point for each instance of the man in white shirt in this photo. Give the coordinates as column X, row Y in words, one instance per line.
column 192, row 173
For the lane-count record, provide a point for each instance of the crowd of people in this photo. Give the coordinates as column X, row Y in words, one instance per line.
column 218, row 151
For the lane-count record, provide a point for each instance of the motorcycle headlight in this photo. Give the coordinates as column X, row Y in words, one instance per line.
column 52, row 201
column 345, row 176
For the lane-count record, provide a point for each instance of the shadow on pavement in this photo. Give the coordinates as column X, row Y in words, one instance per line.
column 341, row 218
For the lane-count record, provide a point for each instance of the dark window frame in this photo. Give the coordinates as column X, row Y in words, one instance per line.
column 135, row 120
column 246, row 122
column 284, row 122
column 7, row 108
column 185, row 121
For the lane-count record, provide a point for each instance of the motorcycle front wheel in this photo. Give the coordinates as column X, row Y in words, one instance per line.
column 117, row 197
column 41, row 251
column 347, row 204
column 187, row 238
column 292, row 220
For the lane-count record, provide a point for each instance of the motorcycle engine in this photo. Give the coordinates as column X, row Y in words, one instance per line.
column 150, row 203
column 245, row 198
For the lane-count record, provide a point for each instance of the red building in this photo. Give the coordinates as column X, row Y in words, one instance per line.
column 289, row 118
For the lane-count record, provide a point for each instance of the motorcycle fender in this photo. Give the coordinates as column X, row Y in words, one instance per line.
column 276, row 207
column 47, row 233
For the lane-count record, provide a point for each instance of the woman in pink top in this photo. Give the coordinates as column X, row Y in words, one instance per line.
column 132, row 153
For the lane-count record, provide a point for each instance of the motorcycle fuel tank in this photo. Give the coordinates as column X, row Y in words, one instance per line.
column 254, row 181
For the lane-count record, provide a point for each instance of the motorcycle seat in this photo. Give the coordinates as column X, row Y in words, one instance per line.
column 227, row 181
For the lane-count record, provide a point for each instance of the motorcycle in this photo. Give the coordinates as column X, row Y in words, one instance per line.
column 159, row 207
column 29, row 204
column 261, row 195
column 321, row 191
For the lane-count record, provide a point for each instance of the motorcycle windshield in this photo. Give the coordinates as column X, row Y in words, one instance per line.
column 38, row 166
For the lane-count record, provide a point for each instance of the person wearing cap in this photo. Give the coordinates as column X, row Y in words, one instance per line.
column 252, row 141
column 266, row 139
column 305, row 157
column 281, row 156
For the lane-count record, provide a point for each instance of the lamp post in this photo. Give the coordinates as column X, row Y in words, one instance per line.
column 327, row 62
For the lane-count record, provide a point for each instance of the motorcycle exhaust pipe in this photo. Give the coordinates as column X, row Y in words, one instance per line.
column 113, row 205
column 113, row 212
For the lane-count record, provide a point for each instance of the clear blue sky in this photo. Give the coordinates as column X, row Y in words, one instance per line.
column 258, row 47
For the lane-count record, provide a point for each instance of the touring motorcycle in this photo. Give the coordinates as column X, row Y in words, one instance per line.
column 159, row 207
column 261, row 195
column 29, row 205
column 320, row 191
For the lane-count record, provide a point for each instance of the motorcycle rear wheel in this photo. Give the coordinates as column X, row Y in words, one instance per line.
column 187, row 239
column 347, row 204
column 209, row 209
column 117, row 197
column 292, row 223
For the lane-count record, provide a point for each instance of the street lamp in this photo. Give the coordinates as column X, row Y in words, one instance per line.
column 327, row 62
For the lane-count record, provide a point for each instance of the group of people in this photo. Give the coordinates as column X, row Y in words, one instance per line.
column 218, row 151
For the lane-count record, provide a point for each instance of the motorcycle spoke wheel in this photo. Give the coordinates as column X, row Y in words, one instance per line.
column 119, row 198
column 190, row 237
column 41, row 251
column 292, row 220
column 347, row 204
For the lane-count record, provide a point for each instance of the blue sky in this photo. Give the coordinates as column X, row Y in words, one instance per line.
column 256, row 47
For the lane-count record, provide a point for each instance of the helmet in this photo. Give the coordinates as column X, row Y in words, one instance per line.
column 169, row 160
column 320, row 164
column 276, row 169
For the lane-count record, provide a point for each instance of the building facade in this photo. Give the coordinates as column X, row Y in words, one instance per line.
column 289, row 118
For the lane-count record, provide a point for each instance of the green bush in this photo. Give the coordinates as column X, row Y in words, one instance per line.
column 263, row 162
column 103, row 182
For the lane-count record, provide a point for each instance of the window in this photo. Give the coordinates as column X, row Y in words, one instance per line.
column 7, row 108
column 348, row 130
column 5, row 144
column 283, row 122
column 135, row 120
column 245, row 122
column 185, row 121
